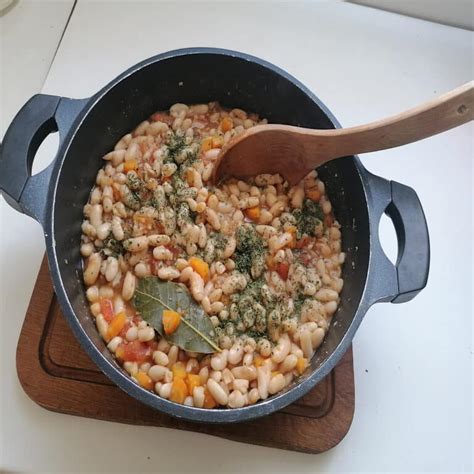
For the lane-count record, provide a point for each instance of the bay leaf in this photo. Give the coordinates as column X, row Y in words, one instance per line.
column 195, row 332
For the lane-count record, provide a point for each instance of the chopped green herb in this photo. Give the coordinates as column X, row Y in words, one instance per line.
column 249, row 248
column 134, row 182
column 114, row 247
column 175, row 145
column 308, row 218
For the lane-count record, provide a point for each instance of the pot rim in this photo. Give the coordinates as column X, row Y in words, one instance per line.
column 114, row 372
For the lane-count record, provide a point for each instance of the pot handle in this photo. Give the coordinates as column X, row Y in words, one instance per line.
column 40, row 116
column 403, row 281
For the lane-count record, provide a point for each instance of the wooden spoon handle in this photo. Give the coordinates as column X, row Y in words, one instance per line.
column 441, row 114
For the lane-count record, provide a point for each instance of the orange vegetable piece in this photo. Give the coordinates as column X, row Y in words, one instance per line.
column 271, row 264
column 209, row 401
column 171, row 321
column 179, row 370
column 301, row 364
column 206, row 144
column 144, row 380
column 258, row 360
column 227, row 124
column 193, row 380
column 116, row 325
column 201, row 267
column 179, row 390
column 313, row 194
column 130, row 165
column 217, row 141
column 292, row 230
column 253, row 213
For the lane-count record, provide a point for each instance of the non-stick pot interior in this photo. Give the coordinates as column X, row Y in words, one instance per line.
column 234, row 82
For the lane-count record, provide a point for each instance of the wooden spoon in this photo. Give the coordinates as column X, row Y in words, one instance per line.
column 293, row 151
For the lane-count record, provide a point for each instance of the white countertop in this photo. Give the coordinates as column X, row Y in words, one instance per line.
column 413, row 362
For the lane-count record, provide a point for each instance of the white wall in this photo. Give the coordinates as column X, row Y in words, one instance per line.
column 458, row 13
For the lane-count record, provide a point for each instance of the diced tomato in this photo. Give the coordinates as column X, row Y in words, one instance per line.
column 161, row 117
column 282, row 270
column 136, row 351
column 107, row 309
column 303, row 242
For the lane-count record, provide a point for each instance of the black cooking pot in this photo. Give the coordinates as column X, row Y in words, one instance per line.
column 90, row 128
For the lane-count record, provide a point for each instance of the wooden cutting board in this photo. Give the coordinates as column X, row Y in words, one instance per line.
column 58, row 375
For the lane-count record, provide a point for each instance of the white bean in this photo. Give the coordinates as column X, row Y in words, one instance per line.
column 95, row 215
column 317, row 337
column 115, row 157
column 289, row 363
column 172, row 355
column 206, row 173
column 326, row 207
column 91, row 273
column 216, row 375
column 326, row 294
column 102, row 325
column 227, row 376
column 146, row 334
column 230, row 247
column 296, row 350
column 206, row 305
column 306, row 343
column 263, row 380
column 217, row 392
column 131, row 334
column 128, row 288
column 196, row 286
column 248, row 359
column 236, row 399
column 162, row 253
column 242, row 385
column 276, row 384
column 165, row 390
column 198, row 397
column 282, row 349
column 158, row 239
column 131, row 367
column 297, row 199
column 136, row 244
column 245, row 372
column 189, row 401
column 253, row 396
column 141, row 270
column 219, row 360
column 111, row 269
column 163, row 346
column 114, row 343
column 168, row 273
column 92, row 294
column 236, row 353
column 117, row 229
column 212, row 218
column 160, row 358
column 157, row 372
column 204, row 374
column 87, row 249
